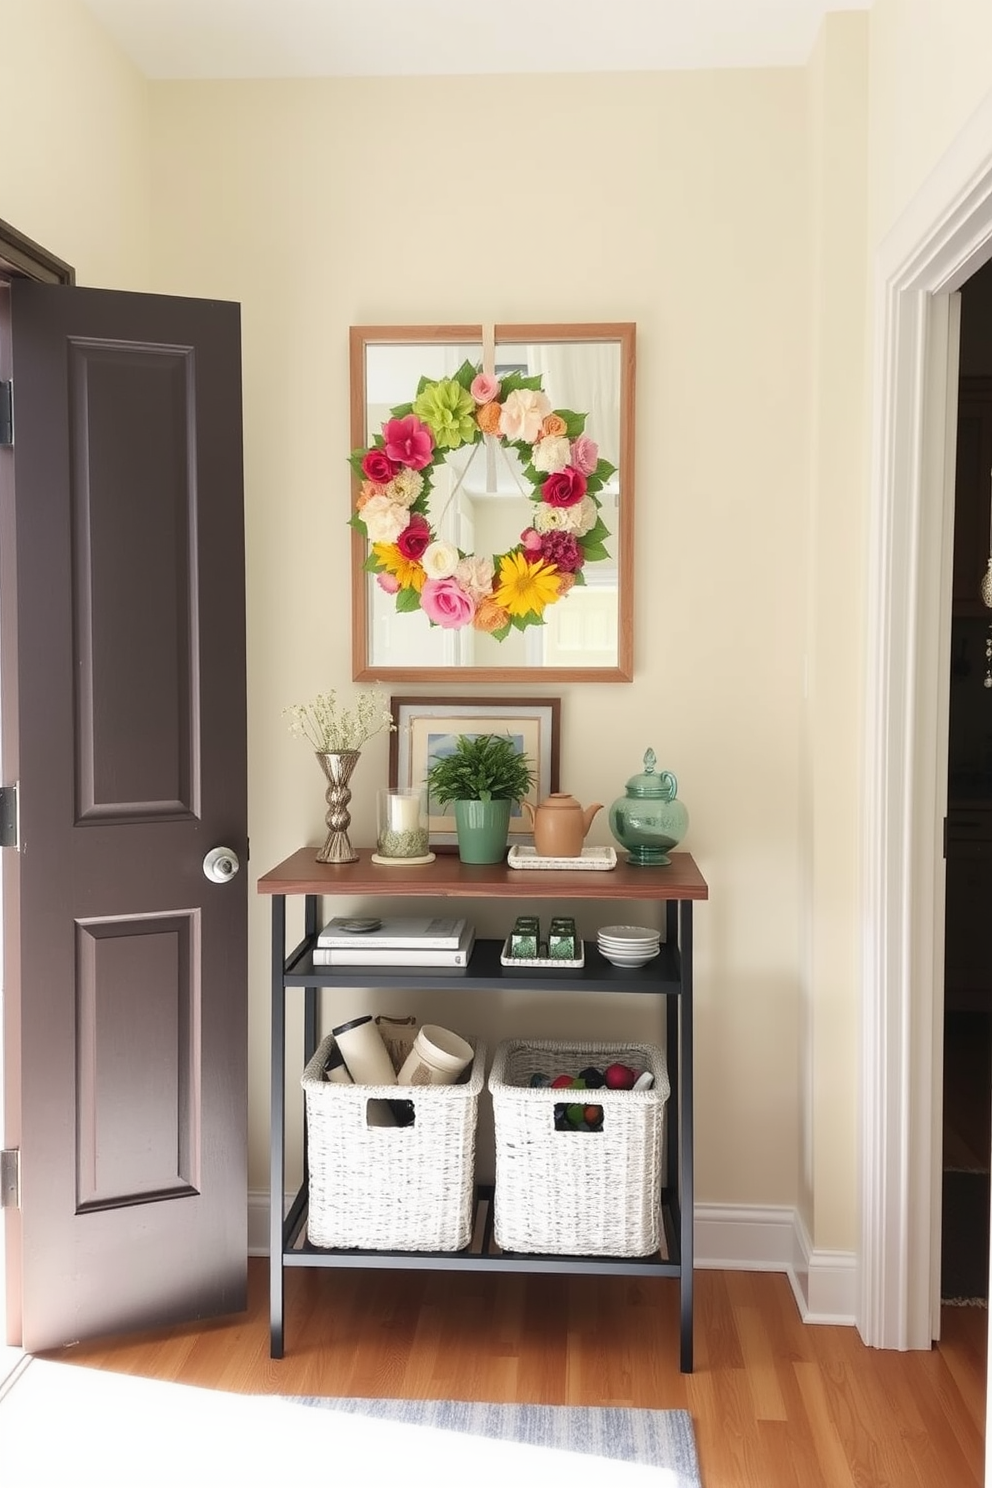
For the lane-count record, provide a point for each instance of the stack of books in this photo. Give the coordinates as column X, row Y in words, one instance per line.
column 404, row 940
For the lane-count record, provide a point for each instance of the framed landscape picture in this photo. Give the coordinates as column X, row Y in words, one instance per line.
column 426, row 730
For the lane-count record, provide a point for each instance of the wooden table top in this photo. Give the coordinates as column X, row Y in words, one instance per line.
column 449, row 877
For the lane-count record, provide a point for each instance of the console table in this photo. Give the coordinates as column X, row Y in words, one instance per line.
column 668, row 977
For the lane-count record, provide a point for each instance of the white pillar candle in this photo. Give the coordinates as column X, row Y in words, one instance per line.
column 404, row 813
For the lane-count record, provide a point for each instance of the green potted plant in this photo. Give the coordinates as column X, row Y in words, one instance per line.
column 482, row 777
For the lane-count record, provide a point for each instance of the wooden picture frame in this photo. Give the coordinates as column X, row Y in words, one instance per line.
column 423, row 721
column 572, row 639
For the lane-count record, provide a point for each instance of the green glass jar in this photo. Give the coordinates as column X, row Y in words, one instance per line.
column 649, row 820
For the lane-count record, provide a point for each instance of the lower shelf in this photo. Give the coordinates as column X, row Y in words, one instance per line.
column 482, row 1253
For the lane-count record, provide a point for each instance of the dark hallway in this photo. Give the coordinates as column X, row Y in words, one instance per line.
column 967, row 1137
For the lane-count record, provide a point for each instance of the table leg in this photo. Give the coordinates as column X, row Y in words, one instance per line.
column 685, row 1116
column 277, row 1153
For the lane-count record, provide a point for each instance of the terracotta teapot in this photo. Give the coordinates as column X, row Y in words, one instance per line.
column 560, row 825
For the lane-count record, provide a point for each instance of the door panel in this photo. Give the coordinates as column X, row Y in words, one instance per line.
column 129, row 433
column 122, row 646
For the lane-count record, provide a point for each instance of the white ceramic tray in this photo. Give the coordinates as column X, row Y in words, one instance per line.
column 541, row 963
column 595, row 858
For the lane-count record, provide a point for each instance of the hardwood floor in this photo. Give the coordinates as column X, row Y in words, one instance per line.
column 775, row 1403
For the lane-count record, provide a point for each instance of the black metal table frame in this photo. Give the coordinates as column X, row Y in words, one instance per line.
column 296, row 970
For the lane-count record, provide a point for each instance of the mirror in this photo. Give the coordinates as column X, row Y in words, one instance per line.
column 481, row 501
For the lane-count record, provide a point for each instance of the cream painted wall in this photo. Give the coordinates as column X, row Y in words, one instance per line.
column 835, row 621
column 74, row 166
column 929, row 71
column 680, row 202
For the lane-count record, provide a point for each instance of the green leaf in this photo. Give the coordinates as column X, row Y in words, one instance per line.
column 372, row 565
column 512, row 382
column 502, row 633
column 523, row 622
column 407, row 600
column 466, row 375
column 401, row 410
column 575, row 422
column 604, row 470
column 595, row 552
column 580, row 581
column 595, row 534
column 355, row 461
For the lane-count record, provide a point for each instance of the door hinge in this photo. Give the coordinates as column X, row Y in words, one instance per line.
column 10, row 1178
column 8, row 816
column 6, row 413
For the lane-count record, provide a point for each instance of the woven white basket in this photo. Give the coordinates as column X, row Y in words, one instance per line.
column 391, row 1187
column 577, row 1192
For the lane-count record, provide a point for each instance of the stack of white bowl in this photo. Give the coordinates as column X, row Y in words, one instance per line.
column 629, row 945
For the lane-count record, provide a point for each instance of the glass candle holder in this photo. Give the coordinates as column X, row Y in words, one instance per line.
column 402, row 833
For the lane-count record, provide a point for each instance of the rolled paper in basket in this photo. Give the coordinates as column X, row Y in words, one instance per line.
column 438, row 1057
column 364, row 1052
column 336, row 1070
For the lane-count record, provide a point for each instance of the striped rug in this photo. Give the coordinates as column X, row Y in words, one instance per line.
column 653, row 1438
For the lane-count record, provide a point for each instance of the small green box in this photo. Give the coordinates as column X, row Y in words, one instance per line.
column 562, row 941
column 525, row 937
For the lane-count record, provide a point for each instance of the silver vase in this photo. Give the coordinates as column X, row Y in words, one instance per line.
column 338, row 768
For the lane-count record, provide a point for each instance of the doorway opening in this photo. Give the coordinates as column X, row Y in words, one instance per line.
column 967, row 1018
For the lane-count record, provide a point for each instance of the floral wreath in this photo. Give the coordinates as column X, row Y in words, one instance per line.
column 560, row 462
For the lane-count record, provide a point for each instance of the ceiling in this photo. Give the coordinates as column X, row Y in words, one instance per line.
column 390, row 38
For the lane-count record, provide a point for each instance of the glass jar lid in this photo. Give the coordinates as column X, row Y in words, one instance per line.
column 649, row 784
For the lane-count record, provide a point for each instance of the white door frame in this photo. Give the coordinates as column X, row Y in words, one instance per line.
column 944, row 237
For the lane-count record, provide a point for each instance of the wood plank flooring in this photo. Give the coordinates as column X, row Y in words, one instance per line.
column 775, row 1403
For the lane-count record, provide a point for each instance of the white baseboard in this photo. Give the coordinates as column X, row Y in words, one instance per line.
column 732, row 1237
column 729, row 1237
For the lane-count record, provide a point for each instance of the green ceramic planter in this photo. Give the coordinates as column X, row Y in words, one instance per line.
column 483, row 828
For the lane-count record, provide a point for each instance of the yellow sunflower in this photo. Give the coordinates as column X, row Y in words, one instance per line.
column 409, row 573
column 524, row 586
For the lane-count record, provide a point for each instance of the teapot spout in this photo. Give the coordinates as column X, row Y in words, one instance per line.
column 588, row 814
column 528, row 808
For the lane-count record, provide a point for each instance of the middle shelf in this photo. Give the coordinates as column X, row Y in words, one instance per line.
column 484, row 971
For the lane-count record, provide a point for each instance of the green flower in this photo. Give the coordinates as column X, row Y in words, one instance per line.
column 448, row 410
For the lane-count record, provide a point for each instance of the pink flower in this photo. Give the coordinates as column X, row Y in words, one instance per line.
column 565, row 487
column 408, row 441
column 415, row 537
column 484, row 388
column 445, row 603
column 561, row 549
column 378, row 467
column 387, row 581
column 531, row 540
column 585, row 454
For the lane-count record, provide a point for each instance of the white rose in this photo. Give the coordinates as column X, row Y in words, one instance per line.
column 549, row 519
column 440, row 559
column 405, row 487
column 475, row 576
column 523, row 413
column 384, row 520
column 551, row 454
column 580, row 518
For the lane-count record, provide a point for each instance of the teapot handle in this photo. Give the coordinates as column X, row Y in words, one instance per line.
column 669, row 783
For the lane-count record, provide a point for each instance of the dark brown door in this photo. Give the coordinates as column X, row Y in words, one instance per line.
column 122, row 662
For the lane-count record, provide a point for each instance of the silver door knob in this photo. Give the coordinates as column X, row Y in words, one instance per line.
column 221, row 864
